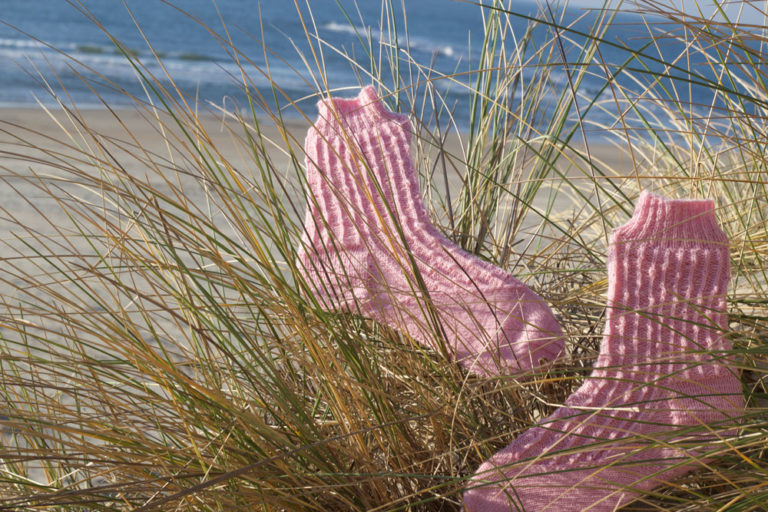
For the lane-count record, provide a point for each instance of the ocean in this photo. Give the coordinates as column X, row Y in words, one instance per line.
column 45, row 43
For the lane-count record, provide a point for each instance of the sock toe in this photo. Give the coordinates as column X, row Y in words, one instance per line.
column 566, row 490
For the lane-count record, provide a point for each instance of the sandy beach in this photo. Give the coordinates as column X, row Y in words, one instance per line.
column 35, row 213
column 58, row 148
column 154, row 150
column 27, row 134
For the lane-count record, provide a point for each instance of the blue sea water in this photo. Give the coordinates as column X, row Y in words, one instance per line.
column 53, row 42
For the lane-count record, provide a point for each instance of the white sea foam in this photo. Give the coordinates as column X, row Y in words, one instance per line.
column 20, row 43
column 210, row 75
column 419, row 43
column 347, row 28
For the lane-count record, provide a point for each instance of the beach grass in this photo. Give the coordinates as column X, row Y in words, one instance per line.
column 160, row 349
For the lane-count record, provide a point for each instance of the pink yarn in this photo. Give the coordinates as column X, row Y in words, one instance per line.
column 661, row 376
column 369, row 247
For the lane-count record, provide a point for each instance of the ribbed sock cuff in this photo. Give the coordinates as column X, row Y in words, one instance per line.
column 358, row 113
column 684, row 221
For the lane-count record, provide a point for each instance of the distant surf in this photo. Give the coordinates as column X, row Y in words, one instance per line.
column 443, row 39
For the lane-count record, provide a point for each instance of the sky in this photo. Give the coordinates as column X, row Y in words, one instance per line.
column 749, row 15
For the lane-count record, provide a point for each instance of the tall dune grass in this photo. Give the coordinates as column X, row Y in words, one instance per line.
column 159, row 349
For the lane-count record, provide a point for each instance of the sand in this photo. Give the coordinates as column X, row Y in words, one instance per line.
column 47, row 130
column 37, row 143
column 29, row 136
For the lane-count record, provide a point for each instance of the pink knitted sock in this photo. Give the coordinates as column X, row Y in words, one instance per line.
column 369, row 247
column 659, row 382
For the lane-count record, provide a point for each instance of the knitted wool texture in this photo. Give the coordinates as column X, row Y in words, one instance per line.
column 370, row 248
column 661, row 381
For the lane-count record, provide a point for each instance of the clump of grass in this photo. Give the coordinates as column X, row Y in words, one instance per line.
column 159, row 347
